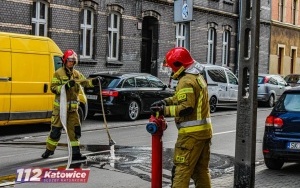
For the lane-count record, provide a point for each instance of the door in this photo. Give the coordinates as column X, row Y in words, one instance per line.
column 30, row 79
column 5, row 80
column 217, row 81
column 149, row 54
column 232, row 86
column 145, row 91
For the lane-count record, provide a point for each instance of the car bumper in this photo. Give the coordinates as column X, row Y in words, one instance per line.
column 262, row 97
column 277, row 149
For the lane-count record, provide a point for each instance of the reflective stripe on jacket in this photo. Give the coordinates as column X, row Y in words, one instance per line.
column 191, row 93
column 60, row 78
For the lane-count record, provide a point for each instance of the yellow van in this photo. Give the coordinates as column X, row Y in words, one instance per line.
column 27, row 64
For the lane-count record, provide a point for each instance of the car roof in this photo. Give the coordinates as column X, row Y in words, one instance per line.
column 215, row 66
column 264, row 74
column 118, row 74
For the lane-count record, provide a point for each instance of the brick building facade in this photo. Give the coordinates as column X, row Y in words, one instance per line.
column 134, row 35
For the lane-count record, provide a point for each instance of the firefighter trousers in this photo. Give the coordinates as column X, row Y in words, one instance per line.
column 73, row 128
column 191, row 160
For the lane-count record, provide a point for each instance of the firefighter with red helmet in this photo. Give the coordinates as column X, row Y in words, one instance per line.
column 67, row 75
column 190, row 107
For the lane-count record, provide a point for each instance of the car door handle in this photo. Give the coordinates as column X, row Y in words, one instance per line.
column 45, row 88
column 5, row 79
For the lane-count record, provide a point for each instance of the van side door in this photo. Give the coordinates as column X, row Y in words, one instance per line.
column 5, row 79
column 30, row 79
column 217, row 83
column 232, row 86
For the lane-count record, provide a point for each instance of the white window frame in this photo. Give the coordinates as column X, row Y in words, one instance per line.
column 225, row 47
column 112, row 31
column 181, row 32
column 40, row 21
column 85, row 27
column 210, row 44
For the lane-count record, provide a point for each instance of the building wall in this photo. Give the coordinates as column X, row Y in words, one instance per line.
column 64, row 29
column 285, row 35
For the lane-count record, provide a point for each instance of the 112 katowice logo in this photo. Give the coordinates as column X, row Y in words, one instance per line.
column 47, row 175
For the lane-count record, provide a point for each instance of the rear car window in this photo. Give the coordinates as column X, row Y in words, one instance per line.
column 260, row 80
column 289, row 102
column 109, row 82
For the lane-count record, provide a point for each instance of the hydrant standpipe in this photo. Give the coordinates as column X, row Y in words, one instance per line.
column 156, row 127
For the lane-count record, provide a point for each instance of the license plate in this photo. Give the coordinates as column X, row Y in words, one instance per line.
column 93, row 97
column 293, row 145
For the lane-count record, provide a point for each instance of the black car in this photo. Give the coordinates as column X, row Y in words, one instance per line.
column 281, row 141
column 126, row 94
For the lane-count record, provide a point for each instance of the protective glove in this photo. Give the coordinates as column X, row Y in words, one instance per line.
column 70, row 84
column 95, row 81
column 159, row 109
column 159, row 103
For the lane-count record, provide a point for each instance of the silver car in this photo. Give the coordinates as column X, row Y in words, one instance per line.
column 270, row 88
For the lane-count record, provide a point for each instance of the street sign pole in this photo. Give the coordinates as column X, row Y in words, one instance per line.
column 245, row 149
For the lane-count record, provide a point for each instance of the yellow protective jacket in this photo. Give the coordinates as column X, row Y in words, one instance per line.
column 59, row 78
column 190, row 106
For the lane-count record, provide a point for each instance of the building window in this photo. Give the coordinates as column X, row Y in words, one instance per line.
column 39, row 18
column 113, row 35
column 86, row 29
column 225, row 48
column 294, row 11
column 211, row 45
column 181, row 35
column 281, row 10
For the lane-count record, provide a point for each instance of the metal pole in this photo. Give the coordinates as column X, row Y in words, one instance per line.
column 156, row 161
column 245, row 150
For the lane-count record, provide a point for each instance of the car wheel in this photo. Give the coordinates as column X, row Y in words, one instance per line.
column 133, row 111
column 273, row 164
column 271, row 101
column 81, row 114
column 213, row 104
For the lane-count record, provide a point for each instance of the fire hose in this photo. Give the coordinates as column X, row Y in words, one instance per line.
column 63, row 118
column 111, row 141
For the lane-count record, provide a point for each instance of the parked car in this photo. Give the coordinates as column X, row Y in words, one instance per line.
column 222, row 86
column 270, row 88
column 281, row 142
column 293, row 79
column 126, row 94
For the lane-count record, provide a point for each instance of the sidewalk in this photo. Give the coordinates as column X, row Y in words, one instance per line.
column 109, row 177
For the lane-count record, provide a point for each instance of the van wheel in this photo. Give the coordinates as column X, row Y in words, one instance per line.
column 273, row 164
column 81, row 114
column 213, row 104
column 271, row 101
column 133, row 111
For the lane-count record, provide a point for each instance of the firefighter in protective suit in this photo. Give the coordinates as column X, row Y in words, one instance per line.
column 67, row 75
column 190, row 107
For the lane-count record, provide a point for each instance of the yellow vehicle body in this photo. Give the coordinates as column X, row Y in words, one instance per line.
column 27, row 64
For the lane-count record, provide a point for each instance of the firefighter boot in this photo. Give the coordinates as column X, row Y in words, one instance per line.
column 76, row 155
column 47, row 153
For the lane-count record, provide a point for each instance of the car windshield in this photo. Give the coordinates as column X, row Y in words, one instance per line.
column 289, row 102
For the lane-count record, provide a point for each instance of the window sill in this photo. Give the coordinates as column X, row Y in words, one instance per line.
column 113, row 63
column 87, row 62
column 229, row 2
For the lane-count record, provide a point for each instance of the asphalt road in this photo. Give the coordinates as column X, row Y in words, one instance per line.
column 22, row 146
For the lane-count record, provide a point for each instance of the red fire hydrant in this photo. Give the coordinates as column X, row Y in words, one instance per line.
column 156, row 127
